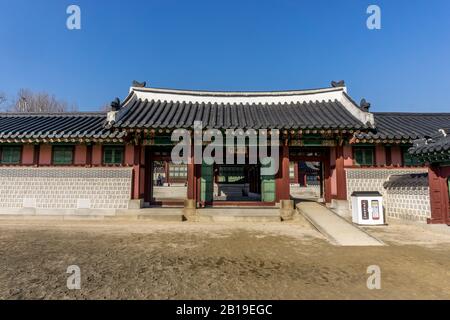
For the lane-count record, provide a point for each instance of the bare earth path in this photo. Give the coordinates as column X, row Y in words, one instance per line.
column 216, row 261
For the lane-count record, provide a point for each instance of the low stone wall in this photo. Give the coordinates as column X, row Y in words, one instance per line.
column 64, row 188
column 408, row 197
column 411, row 202
column 408, row 204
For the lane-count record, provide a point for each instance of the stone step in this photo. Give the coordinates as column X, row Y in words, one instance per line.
column 151, row 214
column 161, row 217
column 239, row 215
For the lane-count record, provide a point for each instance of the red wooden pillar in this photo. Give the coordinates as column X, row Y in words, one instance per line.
column 45, row 154
column 191, row 176
column 439, row 201
column 327, row 176
column 36, row 155
column 89, row 155
column 136, row 193
column 28, row 154
column 282, row 180
column 80, row 154
column 97, row 155
column 380, row 155
column 340, row 174
column 148, row 168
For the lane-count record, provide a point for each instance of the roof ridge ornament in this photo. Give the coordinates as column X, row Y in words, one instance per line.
column 364, row 105
column 338, row 84
column 111, row 115
column 115, row 104
column 138, row 84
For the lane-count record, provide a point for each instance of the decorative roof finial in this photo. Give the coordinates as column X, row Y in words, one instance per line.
column 115, row 104
column 138, row 84
column 364, row 105
column 338, row 84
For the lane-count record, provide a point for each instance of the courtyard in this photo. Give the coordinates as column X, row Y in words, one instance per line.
column 147, row 260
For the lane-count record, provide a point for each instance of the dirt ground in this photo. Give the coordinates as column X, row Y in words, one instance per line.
column 145, row 260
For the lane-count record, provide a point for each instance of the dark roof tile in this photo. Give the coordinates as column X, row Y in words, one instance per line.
column 439, row 143
column 313, row 115
column 408, row 126
column 407, row 181
column 18, row 126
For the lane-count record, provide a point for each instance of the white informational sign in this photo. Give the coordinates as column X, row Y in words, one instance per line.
column 367, row 208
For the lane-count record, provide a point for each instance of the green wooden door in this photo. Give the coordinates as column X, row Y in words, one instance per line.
column 267, row 186
column 207, row 183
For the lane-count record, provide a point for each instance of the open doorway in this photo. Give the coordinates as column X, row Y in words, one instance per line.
column 307, row 185
column 307, row 173
column 237, row 183
column 166, row 182
column 169, row 182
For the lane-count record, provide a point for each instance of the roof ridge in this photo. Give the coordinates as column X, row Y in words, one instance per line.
column 224, row 93
column 56, row 114
column 412, row 113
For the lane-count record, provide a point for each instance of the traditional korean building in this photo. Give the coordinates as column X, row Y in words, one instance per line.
column 104, row 162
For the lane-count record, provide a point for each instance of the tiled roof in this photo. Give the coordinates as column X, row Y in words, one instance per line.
column 437, row 145
column 326, row 108
column 407, row 181
column 405, row 126
column 164, row 114
column 36, row 126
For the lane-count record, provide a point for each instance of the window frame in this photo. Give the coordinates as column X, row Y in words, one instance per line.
column 20, row 147
column 404, row 149
column 114, row 147
column 71, row 147
column 365, row 148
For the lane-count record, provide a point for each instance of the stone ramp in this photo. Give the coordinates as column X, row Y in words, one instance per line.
column 336, row 229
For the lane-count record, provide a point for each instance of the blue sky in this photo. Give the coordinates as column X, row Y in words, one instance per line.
column 229, row 45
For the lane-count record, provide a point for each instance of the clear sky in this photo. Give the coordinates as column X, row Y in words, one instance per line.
column 229, row 45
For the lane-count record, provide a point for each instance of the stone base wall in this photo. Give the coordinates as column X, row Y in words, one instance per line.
column 411, row 204
column 65, row 188
column 408, row 204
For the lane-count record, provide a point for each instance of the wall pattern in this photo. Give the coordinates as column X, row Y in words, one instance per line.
column 65, row 188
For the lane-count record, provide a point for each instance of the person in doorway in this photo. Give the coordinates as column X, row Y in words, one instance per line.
column 159, row 180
